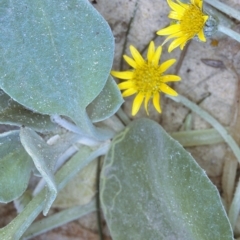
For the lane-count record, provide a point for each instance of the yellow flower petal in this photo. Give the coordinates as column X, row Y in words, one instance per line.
column 156, row 102
column 151, row 50
column 205, row 18
column 130, row 61
column 136, row 55
column 129, row 92
column 175, row 15
column 122, row 75
column 147, row 97
column 184, row 5
column 175, row 7
column 175, row 35
column 125, row 85
column 177, row 42
column 201, row 36
column 166, row 89
column 170, row 78
column 182, row 45
column 169, row 30
column 198, row 3
column 164, row 66
column 157, row 56
column 137, row 103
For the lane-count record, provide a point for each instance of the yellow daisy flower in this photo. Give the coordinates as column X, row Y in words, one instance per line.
column 146, row 79
column 190, row 22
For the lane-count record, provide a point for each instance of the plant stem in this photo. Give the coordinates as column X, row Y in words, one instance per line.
column 83, row 139
column 229, row 32
column 224, row 8
column 58, row 219
column 66, row 124
column 123, row 116
column 207, row 117
column 197, row 137
column 114, row 123
column 61, row 160
column 235, row 207
column 98, row 204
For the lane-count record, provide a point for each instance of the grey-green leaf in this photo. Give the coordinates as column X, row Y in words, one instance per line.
column 13, row 113
column 106, row 103
column 43, row 159
column 55, row 57
column 15, row 167
column 151, row 188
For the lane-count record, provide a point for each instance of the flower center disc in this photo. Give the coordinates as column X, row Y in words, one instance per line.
column 192, row 21
column 147, row 79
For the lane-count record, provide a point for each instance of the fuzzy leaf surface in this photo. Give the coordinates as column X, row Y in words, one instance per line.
column 151, row 188
column 106, row 103
column 55, row 57
column 15, row 167
column 46, row 157
column 12, row 113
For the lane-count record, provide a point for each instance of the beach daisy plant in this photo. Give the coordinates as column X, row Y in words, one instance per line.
column 62, row 102
column 147, row 79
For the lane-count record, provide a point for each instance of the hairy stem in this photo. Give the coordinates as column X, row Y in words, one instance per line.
column 58, row 219
column 229, row 32
column 210, row 119
column 197, row 137
column 224, row 8
column 235, row 207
